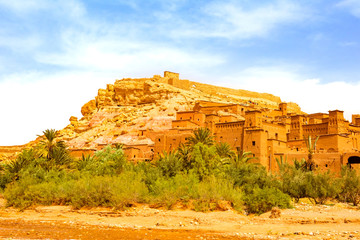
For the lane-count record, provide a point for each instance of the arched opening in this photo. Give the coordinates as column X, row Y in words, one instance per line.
column 353, row 160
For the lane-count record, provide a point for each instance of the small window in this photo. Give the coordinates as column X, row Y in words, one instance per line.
column 297, row 149
column 134, row 156
column 253, row 143
column 326, row 165
column 159, row 140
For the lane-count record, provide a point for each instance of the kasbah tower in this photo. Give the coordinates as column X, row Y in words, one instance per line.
column 269, row 134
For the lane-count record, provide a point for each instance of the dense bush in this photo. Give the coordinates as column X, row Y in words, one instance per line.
column 350, row 185
column 87, row 190
column 293, row 181
column 263, row 200
column 321, row 187
column 109, row 161
column 201, row 174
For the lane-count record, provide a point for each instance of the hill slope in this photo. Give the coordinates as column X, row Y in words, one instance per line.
column 118, row 112
column 122, row 109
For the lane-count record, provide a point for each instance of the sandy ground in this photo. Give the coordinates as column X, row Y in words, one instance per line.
column 305, row 221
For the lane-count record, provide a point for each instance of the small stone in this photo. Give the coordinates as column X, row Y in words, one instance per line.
column 275, row 212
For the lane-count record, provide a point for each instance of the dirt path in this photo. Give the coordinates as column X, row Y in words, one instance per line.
column 60, row 222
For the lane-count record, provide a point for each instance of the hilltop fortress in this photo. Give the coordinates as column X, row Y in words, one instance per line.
column 152, row 115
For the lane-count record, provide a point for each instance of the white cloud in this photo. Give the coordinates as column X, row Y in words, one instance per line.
column 232, row 20
column 25, row 44
column 109, row 52
column 72, row 8
column 34, row 102
column 349, row 44
column 25, row 5
column 352, row 5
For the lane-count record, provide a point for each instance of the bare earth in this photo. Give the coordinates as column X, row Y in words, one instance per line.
column 305, row 221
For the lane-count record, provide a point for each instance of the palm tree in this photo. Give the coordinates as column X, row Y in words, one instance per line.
column 224, row 151
column 311, row 147
column 184, row 155
column 54, row 150
column 241, row 158
column 169, row 164
column 201, row 135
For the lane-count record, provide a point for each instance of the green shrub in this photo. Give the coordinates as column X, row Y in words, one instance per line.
column 263, row 200
column 168, row 191
column 214, row 190
column 92, row 191
column 205, row 161
column 109, row 161
column 250, row 175
column 350, row 185
column 293, row 181
column 169, row 164
column 320, row 187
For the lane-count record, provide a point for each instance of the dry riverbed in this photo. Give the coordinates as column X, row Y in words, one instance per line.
column 304, row 221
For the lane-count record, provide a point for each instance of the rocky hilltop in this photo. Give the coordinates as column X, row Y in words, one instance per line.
column 122, row 111
column 128, row 106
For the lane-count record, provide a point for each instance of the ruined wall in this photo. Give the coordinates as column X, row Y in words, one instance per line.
column 212, row 109
column 139, row 152
column 171, row 140
column 173, row 80
column 184, row 124
column 195, row 117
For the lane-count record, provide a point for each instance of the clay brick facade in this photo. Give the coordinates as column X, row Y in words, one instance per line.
column 269, row 134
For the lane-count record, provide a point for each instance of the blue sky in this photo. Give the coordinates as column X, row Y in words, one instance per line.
column 55, row 55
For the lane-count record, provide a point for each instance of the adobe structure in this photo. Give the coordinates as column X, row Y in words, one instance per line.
column 269, row 134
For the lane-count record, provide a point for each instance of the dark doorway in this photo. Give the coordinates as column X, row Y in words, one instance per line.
column 353, row 160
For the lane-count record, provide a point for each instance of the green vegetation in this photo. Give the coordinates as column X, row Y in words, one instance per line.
column 311, row 146
column 201, row 175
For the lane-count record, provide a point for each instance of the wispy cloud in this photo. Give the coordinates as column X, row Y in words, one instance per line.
column 349, row 44
column 235, row 20
column 24, row 6
column 353, row 6
column 72, row 8
column 26, row 44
